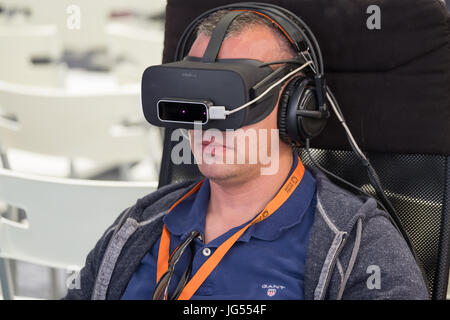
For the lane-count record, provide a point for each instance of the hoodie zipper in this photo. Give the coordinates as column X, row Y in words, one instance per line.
column 333, row 262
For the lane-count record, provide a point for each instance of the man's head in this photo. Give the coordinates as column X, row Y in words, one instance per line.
column 250, row 36
column 277, row 42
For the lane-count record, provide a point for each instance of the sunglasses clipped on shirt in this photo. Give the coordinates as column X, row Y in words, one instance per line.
column 161, row 291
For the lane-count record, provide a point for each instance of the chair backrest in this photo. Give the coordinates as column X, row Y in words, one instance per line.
column 134, row 48
column 97, row 126
column 80, row 22
column 93, row 17
column 143, row 7
column 394, row 89
column 65, row 217
column 31, row 55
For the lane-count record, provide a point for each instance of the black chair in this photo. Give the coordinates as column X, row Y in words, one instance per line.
column 393, row 85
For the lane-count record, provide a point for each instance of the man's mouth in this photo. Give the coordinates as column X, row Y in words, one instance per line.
column 213, row 145
column 206, row 142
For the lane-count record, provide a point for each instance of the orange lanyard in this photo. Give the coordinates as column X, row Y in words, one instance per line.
column 209, row 265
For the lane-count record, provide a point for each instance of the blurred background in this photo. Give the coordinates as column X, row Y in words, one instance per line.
column 72, row 133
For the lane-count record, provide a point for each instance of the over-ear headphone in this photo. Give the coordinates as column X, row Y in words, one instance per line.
column 302, row 111
column 299, row 115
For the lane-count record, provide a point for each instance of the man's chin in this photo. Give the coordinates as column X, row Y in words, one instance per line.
column 216, row 171
column 223, row 172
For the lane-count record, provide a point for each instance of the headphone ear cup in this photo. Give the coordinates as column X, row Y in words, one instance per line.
column 299, row 94
column 305, row 99
column 283, row 110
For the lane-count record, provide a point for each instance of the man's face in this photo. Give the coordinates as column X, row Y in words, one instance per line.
column 259, row 43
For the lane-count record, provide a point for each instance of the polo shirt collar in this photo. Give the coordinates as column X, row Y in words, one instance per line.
column 190, row 214
column 289, row 214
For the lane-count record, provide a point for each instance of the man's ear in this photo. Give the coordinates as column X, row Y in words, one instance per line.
column 298, row 74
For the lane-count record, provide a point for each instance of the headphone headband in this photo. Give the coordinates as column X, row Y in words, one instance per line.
column 274, row 22
column 295, row 30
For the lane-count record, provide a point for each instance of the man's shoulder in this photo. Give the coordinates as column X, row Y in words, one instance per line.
column 340, row 207
column 370, row 236
column 162, row 199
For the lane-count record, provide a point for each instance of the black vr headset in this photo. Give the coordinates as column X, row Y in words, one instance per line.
column 232, row 93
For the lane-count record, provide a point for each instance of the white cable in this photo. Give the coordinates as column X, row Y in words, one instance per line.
column 228, row 112
column 310, row 59
column 347, row 130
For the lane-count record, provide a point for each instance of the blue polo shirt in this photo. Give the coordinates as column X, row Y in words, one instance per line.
column 266, row 262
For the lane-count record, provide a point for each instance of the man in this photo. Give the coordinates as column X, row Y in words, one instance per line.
column 247, row 235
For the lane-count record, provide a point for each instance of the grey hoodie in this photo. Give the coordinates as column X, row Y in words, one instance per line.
column 354, row 251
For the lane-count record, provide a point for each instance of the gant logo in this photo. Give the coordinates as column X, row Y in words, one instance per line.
column 272, row 289
column 271, row 292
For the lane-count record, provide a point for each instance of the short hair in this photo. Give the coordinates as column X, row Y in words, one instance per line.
column 241, row 23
